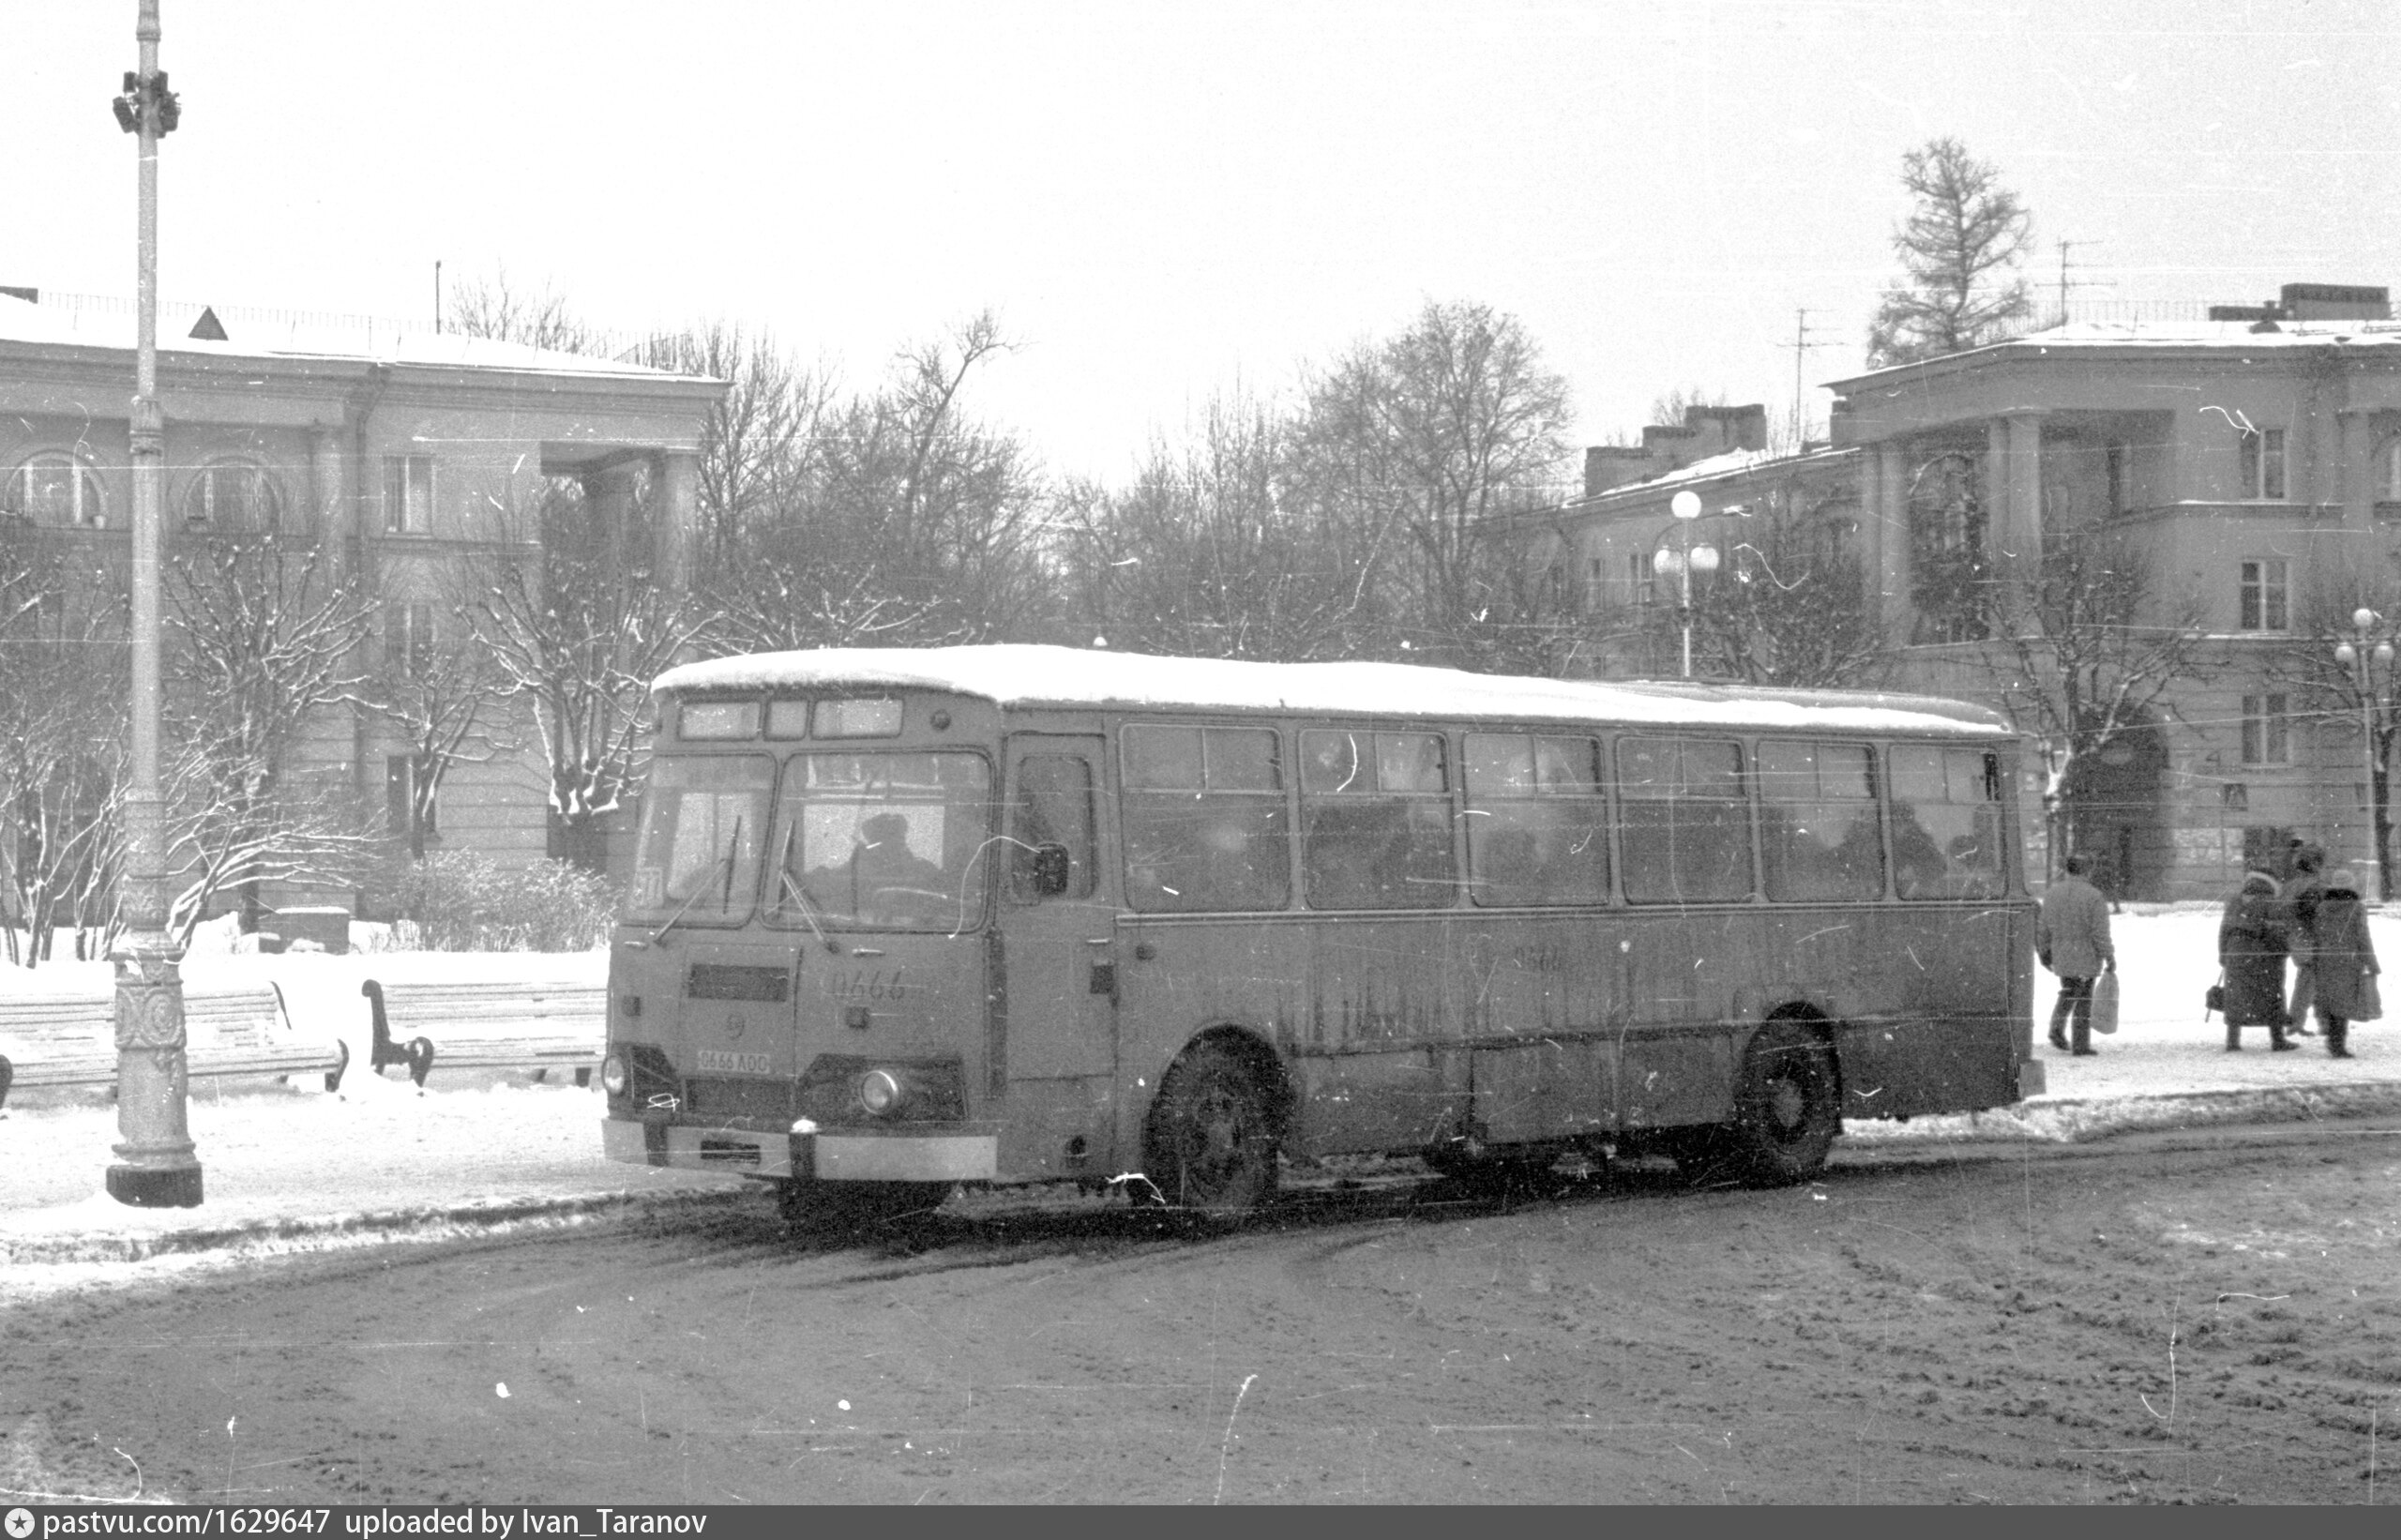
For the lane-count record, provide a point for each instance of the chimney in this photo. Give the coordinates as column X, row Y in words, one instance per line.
column 1607, row 465
column 1729, row 427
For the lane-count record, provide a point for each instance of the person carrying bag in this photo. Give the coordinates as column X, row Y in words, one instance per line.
column 2073, row 941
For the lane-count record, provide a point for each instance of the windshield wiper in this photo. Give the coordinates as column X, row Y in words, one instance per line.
column 723, row 863
column 800, row 895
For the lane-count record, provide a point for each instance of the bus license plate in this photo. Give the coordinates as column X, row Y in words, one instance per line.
column 718, row 1060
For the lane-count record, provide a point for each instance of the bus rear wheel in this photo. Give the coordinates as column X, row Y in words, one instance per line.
column 1211, row 1141
column 834, row 1208
column 1787, row 1106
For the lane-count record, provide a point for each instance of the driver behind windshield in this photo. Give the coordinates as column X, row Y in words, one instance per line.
column 883, row 878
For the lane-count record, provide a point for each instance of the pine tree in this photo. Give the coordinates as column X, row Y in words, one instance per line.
column 1959, row 249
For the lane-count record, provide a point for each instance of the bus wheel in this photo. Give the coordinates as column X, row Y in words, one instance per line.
column 1210, row 1144
column 833, row 1208
column 1787, row 1112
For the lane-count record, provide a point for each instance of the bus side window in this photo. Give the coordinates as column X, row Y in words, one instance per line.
column 1054, row 806
column 1204, row 818
column 1818, row 835
column 1947, row 824
column 1686, row 820
column 1536, row 825
column 1376, row 821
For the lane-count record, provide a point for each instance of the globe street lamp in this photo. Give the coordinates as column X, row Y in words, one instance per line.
column 2354, row 654
column 1682, row 559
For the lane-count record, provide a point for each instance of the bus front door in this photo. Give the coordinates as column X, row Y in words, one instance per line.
column 1058, row 994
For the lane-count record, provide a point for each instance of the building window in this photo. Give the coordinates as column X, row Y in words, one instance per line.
column 2267, row 739
column 235, row 496
column 2389, row 484
column 1640, row 581
column 2263, row 463
column 1595, row 585
column 408, row 494
column 2113, row 471
column 56, row 489
column 2265, row 586
column 408, row 637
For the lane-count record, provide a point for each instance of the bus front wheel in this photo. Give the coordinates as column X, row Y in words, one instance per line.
column 1787, row 1106
column 1211, row 1141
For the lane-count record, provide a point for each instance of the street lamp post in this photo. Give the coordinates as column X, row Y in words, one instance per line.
column 156, row 1167
column 2354, row 652
column 1682, row 559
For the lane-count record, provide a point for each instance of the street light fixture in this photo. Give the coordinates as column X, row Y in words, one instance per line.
column 1683, row 558
column 2354, row 654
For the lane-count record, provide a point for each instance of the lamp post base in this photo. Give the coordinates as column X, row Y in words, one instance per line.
column 164, row 1187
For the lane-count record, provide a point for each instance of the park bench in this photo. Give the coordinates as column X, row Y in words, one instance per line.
column 69, row 1041
column 539, row 1027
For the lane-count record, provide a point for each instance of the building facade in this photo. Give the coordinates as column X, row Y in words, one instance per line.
column 2243, row 474
column 398, row 459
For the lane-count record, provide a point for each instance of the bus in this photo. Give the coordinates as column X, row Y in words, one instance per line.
column 903, row 919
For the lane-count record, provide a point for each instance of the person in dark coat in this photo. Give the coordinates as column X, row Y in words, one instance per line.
column 2302, row 891
column 2346, row 959
column 2251, row 950
column 2073, row 941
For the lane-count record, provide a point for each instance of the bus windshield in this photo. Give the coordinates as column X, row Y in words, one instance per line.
column 884, row 841
column 703, row 824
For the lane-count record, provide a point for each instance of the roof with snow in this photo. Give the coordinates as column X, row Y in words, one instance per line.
column 1027, row 675
column 2377, row 337
column 347, row 338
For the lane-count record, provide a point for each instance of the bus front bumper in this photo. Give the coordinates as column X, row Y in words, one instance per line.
column 845, row 1155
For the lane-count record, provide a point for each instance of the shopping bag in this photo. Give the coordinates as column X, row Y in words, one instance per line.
column 2370, row 1004
column 2213, row 999
column 2105, row 1001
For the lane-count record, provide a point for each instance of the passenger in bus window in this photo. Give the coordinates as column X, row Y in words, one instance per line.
column 1919, row 865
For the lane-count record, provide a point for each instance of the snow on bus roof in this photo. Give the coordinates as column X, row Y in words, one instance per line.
column 1022, row 674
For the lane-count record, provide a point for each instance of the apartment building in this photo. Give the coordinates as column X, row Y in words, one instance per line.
column 2250, row 462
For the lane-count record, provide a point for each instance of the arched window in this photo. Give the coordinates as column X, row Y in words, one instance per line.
column 235, row 496
column 56, row 487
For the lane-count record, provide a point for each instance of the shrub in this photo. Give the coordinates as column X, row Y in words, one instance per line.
column 466, row 901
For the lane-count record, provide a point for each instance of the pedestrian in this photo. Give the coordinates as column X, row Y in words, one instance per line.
column 2073, row 941
column 2345, row 960
column 2302, row 891
column 2251, row 950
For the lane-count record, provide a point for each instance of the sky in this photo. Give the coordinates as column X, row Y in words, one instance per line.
column 1163, row 202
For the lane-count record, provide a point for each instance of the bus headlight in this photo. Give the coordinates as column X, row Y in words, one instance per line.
column 612, row 1076
column 879, row 1093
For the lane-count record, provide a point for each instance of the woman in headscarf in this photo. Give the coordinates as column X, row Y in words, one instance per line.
column 2346, row 959
column 2251, row 950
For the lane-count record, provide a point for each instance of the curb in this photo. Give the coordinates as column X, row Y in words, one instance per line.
column 2084, row 1120
column 266, row 1236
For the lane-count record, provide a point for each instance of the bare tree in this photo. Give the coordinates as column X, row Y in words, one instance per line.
column 2090, row 653
column 2360, row 694
column 267, row 637
column 1211, row 552
column 438, row 689
column 760, row 441
column 903, row 520
column 1790, row 607
column 1435, row 444
column 62, row 743
column 1959, row 249
column 506, row 311
column 577, row 633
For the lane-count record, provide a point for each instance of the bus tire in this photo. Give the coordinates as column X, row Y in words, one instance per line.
column 833, row 1208
column 1788, row 1106
column 1210, row 1146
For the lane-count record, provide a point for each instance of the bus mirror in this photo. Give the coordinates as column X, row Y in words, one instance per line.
column 1050, row 867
